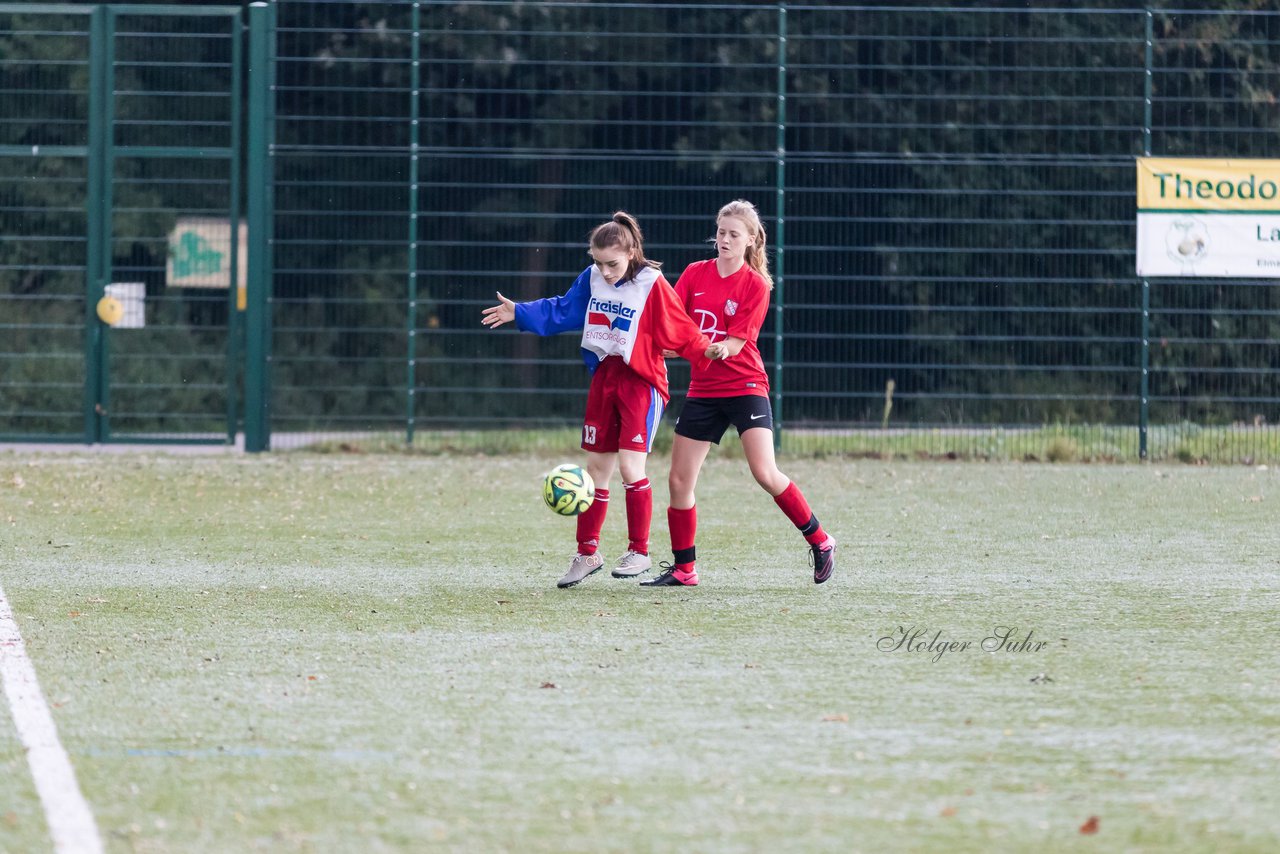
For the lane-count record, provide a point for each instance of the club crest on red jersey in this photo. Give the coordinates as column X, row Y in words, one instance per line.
column 730, row 307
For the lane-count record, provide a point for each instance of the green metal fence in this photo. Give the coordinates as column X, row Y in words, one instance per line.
column 120, row 175
column 949, row 192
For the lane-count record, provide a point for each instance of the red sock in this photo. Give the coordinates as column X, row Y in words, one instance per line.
column 684, row 528
column 591, row 521
column 792, row 502
column 639, row 514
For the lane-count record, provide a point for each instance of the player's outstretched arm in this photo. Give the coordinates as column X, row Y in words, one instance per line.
column 503, row 312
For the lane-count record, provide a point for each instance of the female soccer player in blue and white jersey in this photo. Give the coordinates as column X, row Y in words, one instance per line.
column 629, row 315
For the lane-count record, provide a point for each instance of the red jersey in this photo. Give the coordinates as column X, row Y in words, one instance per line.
column 722, row 307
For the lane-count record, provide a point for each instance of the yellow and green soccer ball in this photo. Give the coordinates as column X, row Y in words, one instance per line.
column 568, row 490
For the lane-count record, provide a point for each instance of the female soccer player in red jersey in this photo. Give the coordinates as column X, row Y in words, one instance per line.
column 628, row 315
column 729, row 297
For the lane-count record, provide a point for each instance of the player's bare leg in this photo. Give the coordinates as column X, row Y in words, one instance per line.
column 601, row 467
column 758, row 445
column 687, row 457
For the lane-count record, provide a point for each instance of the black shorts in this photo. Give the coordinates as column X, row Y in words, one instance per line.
column 705, row 419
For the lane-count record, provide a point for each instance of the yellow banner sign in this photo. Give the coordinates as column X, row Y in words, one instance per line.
column 1203, row 184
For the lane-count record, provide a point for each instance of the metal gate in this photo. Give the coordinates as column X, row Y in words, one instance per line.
column 121, row 283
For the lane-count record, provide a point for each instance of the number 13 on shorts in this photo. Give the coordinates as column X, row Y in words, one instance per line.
column 588, row 434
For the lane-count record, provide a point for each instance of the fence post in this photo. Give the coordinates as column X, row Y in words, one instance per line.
column 235, row 298
column 257, row 420
column 415, row 81
column 97, row 222
column 1144, row 388
column 779, row 233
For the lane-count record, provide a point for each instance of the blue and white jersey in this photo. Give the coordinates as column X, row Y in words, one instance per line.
column 608, row 315
column 613, row 314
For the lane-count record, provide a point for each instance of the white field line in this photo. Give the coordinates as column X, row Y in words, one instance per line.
column 71, row 823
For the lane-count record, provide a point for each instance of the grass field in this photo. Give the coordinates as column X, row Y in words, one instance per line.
column 1184, row 442
column 306, row 652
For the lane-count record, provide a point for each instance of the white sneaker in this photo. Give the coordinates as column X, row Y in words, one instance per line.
column 580, row 568
column 632, row 564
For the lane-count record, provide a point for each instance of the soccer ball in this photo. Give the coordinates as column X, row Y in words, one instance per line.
column 568, row 489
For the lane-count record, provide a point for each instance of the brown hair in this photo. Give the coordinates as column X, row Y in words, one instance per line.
column 755, row 255
column 624, row 232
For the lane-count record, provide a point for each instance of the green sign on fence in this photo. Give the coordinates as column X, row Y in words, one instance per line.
column 200, row 253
